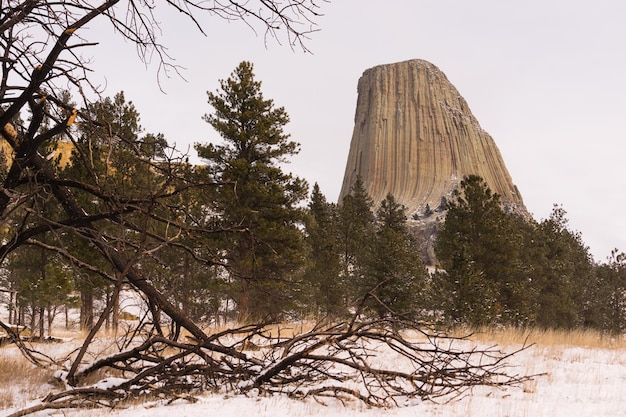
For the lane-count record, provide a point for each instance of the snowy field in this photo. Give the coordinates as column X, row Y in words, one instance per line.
column 578, row 382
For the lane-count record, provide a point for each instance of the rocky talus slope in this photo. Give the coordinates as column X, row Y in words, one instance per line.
column 416, row 138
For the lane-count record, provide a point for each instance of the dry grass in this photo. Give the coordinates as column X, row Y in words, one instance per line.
column 282, row 330
column 585, row 338
column 19, row 379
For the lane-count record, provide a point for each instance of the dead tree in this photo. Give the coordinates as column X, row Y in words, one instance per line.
column 383, row 363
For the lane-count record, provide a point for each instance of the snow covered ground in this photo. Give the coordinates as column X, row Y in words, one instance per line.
column 578, row 382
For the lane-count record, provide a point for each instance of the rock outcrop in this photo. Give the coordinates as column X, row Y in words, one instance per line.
column 416, row 138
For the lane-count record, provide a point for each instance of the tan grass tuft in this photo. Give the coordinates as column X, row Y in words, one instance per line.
column 585, row 338
column 19, row 379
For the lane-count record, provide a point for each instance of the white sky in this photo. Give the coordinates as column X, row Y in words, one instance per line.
column 546, row 78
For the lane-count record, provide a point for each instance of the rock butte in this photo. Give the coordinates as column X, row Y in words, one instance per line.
column 416, row 138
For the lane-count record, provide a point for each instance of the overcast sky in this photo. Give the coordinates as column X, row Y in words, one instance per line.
column 546, row 78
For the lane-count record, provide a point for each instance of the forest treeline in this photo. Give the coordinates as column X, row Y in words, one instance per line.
column 238, row 238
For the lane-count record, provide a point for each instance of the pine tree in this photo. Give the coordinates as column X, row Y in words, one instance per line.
column 605, row 301
column 478, row 247
column 111, row 152
column 324, row 268
column 258, row 196
column 356, row 231
column 38, row 276
column 563, row 272
column 394, row 275
column 42, row 282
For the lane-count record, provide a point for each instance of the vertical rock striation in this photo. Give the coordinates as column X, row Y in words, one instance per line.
column 416, row 138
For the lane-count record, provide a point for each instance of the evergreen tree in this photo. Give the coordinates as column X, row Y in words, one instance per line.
column 112, row 152
column 356, row 231
column 394, row 272
column 257, row 196
column 478, row 248
column 605, row 301
column 37, row 274
column 324, row 268
column 563, row 272
column 43, row 285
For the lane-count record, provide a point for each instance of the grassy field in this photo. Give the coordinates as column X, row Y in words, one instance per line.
column 582, row 373
column 583, row 338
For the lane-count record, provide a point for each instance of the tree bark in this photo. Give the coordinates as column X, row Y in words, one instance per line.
column 86, row 307
column 244, row 301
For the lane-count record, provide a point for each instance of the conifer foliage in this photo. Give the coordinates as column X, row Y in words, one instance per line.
column 256, row 194
column 327, row 290
column 474, row 248
column 356, row 231
column 381, row 269
column 497, row 267
column 395, row 276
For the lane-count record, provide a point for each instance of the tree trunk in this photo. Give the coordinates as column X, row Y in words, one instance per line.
column 33, row 320
column 12, row 307
column 42, row 326
column 115, row 311
column 107, row 317
column 86, row 307
column 245, row 274
column 244, row 301
column 52, row 312
column 21, row 319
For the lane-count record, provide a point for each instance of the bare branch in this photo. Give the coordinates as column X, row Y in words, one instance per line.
column 337, row 361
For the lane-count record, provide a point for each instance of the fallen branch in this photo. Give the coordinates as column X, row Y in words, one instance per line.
column 342, row 361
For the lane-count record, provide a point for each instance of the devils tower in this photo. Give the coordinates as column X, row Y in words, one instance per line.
column 416, row 138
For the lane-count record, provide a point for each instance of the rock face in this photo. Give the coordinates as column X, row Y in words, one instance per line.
column 416, row 138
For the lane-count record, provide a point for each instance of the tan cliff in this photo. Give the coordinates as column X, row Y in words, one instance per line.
column 416, row 138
